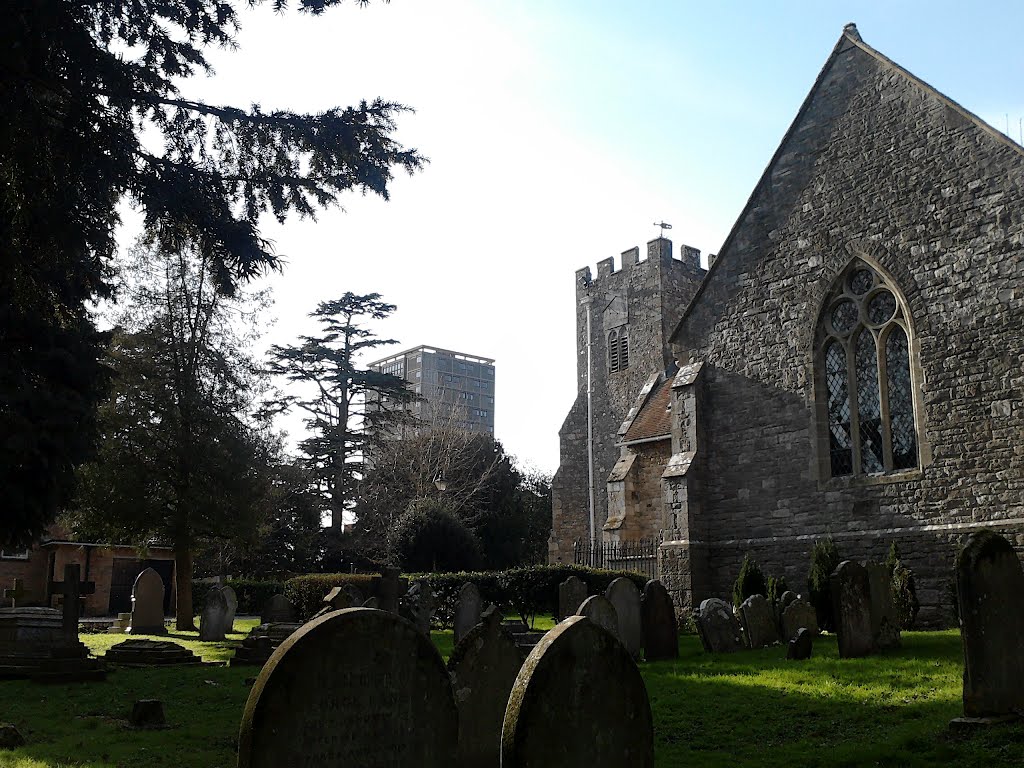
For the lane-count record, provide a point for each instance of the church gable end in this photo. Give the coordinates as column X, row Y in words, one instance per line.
column 880, row 167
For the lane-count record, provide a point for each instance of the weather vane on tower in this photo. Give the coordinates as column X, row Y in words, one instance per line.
column 663, row 227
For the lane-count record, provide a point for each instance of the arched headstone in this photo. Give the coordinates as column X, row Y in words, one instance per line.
column 353, row 683
column 579, row 700
column 717, row 626
column 759, row 629
column 571, row 594
column 602, row 613
column 212, row 621
column 278, row 609
column 661, row 631
column 147, row 605
column 232, row 601
column 623, row 594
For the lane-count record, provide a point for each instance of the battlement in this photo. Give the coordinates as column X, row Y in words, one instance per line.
column 659, row 253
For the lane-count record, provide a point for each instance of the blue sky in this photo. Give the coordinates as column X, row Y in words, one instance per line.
column 558, row 132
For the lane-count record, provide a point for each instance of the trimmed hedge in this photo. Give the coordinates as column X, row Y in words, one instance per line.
column 527, row 591
column 252, row 594
column 307, row 591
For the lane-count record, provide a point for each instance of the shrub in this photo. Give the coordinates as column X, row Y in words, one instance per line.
column 307, row 592
column 749, row 582
column 824, row 560
column 430, row 537
column 776, row 586
column 904, row 593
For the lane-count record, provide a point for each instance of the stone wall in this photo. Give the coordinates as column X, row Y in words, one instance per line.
column 646, row 298
column 876, row 166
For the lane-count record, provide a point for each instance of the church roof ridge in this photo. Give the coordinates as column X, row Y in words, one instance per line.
column 850, row 36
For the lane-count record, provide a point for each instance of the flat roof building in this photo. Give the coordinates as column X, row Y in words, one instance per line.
column 453, row 388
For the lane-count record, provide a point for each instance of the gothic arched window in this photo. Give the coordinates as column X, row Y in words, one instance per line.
column 865, row 372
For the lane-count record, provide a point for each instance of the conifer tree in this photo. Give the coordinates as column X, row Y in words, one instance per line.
column 80, row 83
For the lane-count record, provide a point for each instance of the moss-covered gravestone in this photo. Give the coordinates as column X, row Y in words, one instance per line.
column 356, row 687
column 990, row 589
column 579, row 700
column 483, row 668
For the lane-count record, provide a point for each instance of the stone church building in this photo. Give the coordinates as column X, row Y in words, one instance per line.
column 851, row 364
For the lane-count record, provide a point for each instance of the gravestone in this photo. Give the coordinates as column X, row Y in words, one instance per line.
column 213, row 619
column 232, row 601
column 277, row 609
column 989, row 587
column 336, row 599
column 759, row 629
column 354, row 687
column 468, row 610
column 787, row 597
column 601, row 612
column 571, row 594
column 150, row 653
column 661, row 632
column 799, row 614
column 851, row 608
column 355, row 595
column 71, row 591
column 579, row 700
column 801, row 646
column 147, row 617
column 885, row 623
column 717, row 626
column 371, row 602
column 390, row 589
column 483, row 668
column 417, row 605
column 623, row 594
column 147, row 713
column 261, row 642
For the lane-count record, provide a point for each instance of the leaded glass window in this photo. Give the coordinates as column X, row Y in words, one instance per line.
column 864, row 349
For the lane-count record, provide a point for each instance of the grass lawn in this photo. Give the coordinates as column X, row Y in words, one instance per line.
column 748, row 709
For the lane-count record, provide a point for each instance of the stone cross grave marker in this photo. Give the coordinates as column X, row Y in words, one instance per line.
column 717, row 626
column 15, row 594
column 571, row 594
column 602, row 613
column 354, row 687
column 579, row 700
column 989, row 587
column 623, row 594
column 758, row 621
column 277, row 609
column 468, row 610
column 661, row 631
column 483, row 668
column 147, row 605
column 71, row 589
column 851, row 606
column 798, row 614
column 231, row 598
column 212, row 621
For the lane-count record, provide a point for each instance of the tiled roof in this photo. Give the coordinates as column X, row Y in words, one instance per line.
column 654, row 419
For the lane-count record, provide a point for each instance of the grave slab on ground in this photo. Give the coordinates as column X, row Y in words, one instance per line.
column 150, row 653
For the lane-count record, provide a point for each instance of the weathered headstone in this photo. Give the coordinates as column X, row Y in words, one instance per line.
column 468, row 610
column 851, row 608
column 150, row 653
column 601, row 612
column 661, row 632
column 261, row 642
column 799, row 614
column 579, row 700
column 759, row 629
column 885, row 623
column 989, row 587
column 147, row 616
column 278, row 608
column 801, row 646
column 232, row 601
column 213, row 619
column 354, row 687
column 571, row 594
column 787, row 597
column 623, row 594
column 16, row 593
column 417, row 605
column 717, row 626
column 355, row 595
column 390, row 589
column 483, row 668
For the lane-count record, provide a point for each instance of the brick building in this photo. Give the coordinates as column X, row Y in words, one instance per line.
column 111, row 567
column 852, row 365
